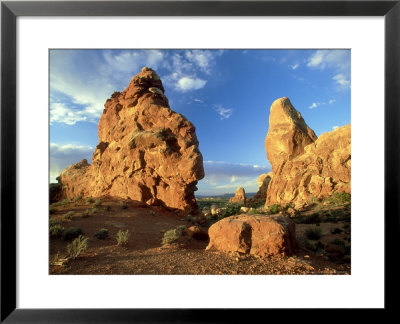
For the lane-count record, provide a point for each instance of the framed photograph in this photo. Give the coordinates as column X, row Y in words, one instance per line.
column 161, row 128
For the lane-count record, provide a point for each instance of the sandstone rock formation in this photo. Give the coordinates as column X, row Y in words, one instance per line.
column 263, row 182
column 256, row 234
column 146, row 151
column 240, row 196
column 307, row 166
column 288, row 133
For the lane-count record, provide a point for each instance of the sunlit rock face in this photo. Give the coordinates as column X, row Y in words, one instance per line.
column 304, row 166
column 146, row 151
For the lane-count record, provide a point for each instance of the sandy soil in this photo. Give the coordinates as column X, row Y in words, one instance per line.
column 145, row 254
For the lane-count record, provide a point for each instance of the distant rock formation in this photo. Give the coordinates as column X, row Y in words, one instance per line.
column 304, row 166
column 240, row 196
column 146, row 151
column 256, row 234
column 263, row 181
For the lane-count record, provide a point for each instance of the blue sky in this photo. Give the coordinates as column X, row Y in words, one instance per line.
column 226, row 94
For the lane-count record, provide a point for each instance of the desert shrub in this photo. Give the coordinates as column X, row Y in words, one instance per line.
column 77, row 246
column 312, row 219
column 101, row 234
column 123, row 237
column 94, row 210
column 336, row 230
column 86, row 213
column 69, row 215
column 107, row 208
column 313, row 200
column 90, row 200
column 289, row 205
column 346, row 226
column 78, row 197
column 123, row 205
column 71, row 233
column 339, row 198
column 338, row 242
column 274, row 208
column 231, row 209
column 56, row 230
column 97, row 203
column 60, row 203
column 313, row 233
column 54, row 222
column 342, row 243
column 318, row 246
column 173, row 235
column 52, row 209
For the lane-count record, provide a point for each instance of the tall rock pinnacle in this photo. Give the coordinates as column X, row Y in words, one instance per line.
column 146, row 151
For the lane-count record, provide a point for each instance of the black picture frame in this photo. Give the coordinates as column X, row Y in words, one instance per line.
column 10, row 10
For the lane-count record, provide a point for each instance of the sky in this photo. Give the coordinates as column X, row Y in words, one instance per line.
column 226, row 94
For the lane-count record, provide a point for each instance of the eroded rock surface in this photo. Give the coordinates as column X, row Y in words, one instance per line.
column 146, row 151
column 240, row 196
column 288, row 133
column 253, row 234
column 263, row 181
column 307, row 166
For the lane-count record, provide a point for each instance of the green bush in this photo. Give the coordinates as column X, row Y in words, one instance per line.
column 71, row 233
column 90, row 200
column 313, row 233
column 318, row 246
column 60, row 203
column 107, row 208
column 123, row 237
column 56, row 230
column 86, row 213
column 289, row 205
column 338, row 242
column 77, row 246
column 69, row 215
column 101, row 234
column 275, row 208
column 231, row 209
column 339, row 198
column 123, row 205
column 52, row 209
column 173, row 235
column 54, row 222
column 97, row 203
column 79, row 197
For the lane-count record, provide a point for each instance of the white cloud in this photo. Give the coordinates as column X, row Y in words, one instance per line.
column 186, row 66
column 332, row 101
column 314, row 105
column 186, row 83
column 222, row 177
column 339, row 59
column 294, row 66
column 133, row 61
column 63, row 155
column 60, row 113
column 224, row 113
column 342, row 81
column 203, row 59
column 335, row 127
column 83, row 79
